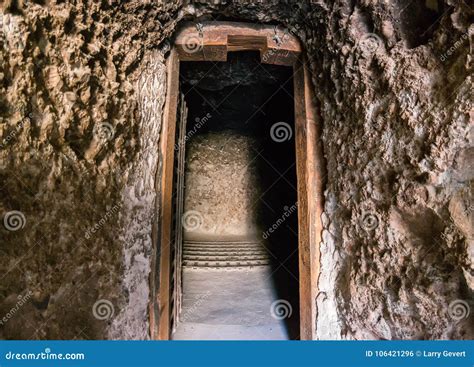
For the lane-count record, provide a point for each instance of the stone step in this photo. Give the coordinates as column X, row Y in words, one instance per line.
column 214, row 255
column 222, row 246
column 224, row 257
column 225, row 264
column 230, row 252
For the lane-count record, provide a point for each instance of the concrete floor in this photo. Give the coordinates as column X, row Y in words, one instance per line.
column 228, row 305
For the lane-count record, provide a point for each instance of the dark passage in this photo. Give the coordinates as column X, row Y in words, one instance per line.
column 240, row 222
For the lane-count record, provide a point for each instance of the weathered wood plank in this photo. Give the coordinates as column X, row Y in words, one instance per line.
column 309, row 164
column 211, row 41
column 304, row 252
column 166, row 210
column 315, row 168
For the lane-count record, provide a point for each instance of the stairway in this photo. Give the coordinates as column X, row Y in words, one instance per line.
column 228, row 293
column 224, row 255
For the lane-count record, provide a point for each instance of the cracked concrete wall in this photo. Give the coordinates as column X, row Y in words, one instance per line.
column 393, row 86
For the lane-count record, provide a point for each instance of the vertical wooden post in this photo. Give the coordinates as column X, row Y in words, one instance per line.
column 160, row 328
column 179, row 207
column 310, row 200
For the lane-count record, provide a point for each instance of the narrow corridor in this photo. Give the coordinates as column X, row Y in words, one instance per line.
column 239, row 257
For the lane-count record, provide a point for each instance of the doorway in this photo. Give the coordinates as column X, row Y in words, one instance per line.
column 240, row 224
column 241, row 195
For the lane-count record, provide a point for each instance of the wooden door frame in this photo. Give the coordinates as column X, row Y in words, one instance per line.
column 211, row 41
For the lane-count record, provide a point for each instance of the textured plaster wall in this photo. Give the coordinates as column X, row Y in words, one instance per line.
column 81, row 89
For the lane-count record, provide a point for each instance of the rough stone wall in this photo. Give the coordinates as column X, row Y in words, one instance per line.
column 80, row 100
column 222, row 188
column 394, row 91
column 397, row 254
column 139, row 206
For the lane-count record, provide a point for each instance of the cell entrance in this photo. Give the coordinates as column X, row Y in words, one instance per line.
column 235, row 252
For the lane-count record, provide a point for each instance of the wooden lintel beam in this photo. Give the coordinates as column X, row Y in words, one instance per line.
column 212, row 41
